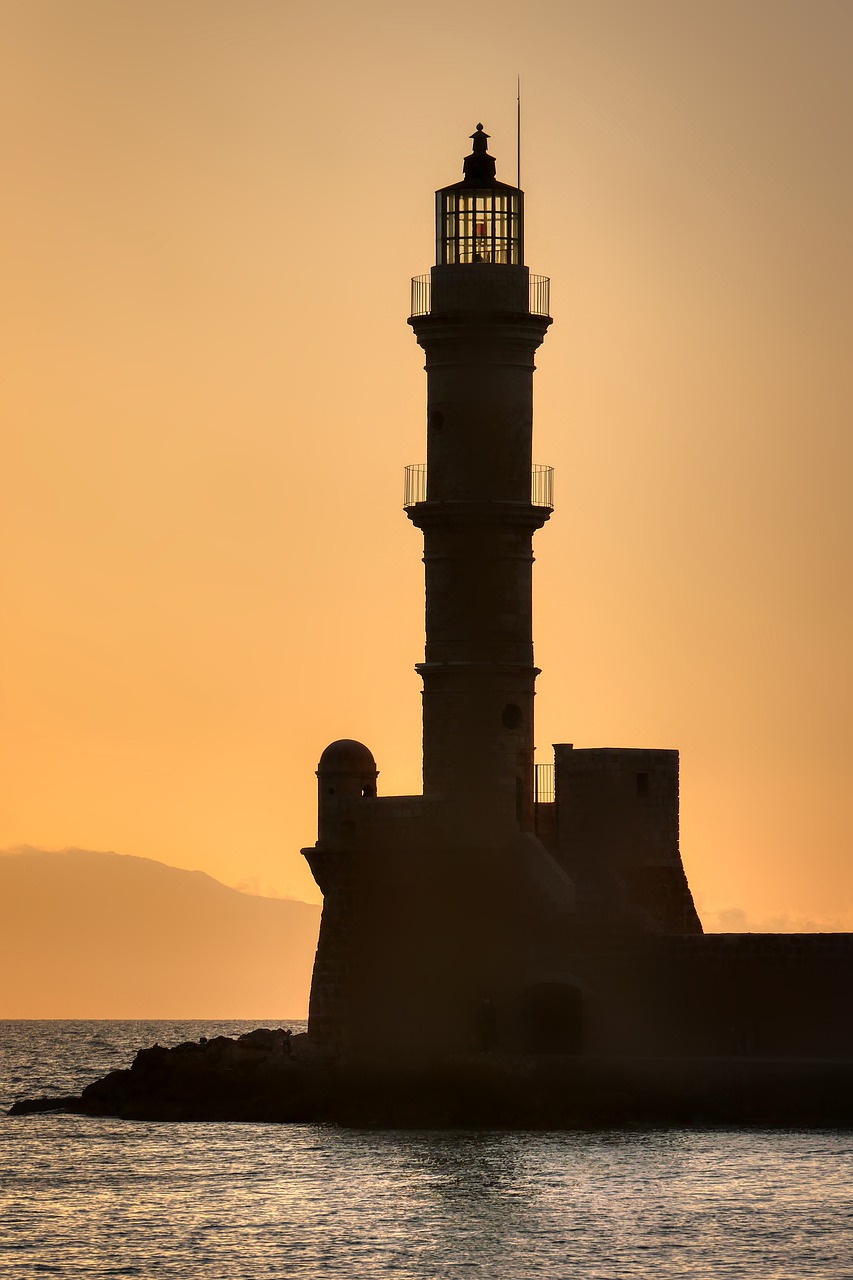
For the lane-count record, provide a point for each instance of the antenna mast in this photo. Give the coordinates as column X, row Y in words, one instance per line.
column 518, row 130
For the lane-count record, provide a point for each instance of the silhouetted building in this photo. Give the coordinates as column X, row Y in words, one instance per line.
column 538, row 908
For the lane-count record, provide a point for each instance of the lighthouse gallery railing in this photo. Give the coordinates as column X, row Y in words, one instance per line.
column 541, row 485
column 539, row 295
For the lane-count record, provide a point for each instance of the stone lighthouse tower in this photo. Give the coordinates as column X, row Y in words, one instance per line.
column 479, row 317
column 431, row 901
column 486, row 907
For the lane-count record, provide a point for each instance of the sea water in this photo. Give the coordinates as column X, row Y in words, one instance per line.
column 85, row 1197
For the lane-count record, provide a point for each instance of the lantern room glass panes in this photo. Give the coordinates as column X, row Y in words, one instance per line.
column 478, row 225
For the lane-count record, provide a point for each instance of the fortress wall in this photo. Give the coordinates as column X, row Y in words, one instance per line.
column 719, row 995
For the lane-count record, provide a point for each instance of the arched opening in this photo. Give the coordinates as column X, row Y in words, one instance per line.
column 551, row 1018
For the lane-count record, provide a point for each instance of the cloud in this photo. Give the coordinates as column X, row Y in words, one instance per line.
column 736, row 920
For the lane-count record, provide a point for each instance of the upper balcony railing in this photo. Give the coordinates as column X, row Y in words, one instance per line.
column 421, row 292
column 538, row 295
column 541, row 486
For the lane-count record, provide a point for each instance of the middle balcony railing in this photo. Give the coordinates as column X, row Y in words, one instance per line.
column 542, row 486
column 415, row 487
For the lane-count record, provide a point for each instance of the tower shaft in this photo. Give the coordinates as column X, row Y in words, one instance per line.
column 479, row 512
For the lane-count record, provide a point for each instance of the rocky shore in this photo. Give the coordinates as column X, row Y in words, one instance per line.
column 274, row 1076
column 262, row 1075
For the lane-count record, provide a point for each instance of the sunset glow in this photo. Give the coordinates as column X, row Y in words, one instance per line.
column 211, row 392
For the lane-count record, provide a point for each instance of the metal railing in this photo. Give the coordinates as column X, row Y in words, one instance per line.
column 415, row 484
column 543, row 784
column 541, row 485
column 538, row 300
column 540, row 295
column 420, row 296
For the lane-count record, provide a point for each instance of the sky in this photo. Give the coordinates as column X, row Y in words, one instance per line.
column 212, row 212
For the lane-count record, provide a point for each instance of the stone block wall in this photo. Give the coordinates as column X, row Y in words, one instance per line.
column 617, row 833
column 751, row 995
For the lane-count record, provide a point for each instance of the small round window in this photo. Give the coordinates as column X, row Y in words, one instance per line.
column 511, row 716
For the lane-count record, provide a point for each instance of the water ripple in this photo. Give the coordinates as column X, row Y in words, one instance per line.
column 97, row 1198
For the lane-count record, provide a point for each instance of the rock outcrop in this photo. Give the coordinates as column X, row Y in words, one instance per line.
column 263, row 1075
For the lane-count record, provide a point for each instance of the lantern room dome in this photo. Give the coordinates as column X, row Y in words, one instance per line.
column 479, row 167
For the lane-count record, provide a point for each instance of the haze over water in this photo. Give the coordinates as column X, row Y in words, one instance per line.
column 95, row 1198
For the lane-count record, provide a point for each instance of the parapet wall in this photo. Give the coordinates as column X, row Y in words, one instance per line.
column 785, row 995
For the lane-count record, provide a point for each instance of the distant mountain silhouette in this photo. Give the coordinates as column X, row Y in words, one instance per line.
column 106, row 935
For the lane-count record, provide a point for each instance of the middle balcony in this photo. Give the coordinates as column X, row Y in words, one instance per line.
column 416, row 487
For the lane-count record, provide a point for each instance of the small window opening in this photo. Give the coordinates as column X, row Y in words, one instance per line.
column 330, row 790
column 368, row 791
column 642, row 784
column 511, row 716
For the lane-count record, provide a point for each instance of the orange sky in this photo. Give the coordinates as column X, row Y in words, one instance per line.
column 212, row 211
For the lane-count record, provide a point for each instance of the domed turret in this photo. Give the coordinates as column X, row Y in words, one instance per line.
column 346, row 772
column 347, row 757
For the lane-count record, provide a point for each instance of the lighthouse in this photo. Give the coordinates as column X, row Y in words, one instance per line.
column 481, row 912
column 479, row 317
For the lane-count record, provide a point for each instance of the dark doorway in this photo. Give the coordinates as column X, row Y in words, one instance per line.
column 551, row 1018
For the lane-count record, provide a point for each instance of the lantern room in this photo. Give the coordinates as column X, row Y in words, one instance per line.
column 479, row 219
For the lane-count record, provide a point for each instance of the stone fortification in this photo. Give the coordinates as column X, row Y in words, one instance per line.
column 530, row 910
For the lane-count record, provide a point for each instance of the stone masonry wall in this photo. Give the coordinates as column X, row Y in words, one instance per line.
column 617, row 832
column 774, row 995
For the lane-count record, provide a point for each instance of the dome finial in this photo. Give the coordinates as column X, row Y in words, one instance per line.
column 480, row 139
column 479, row 167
